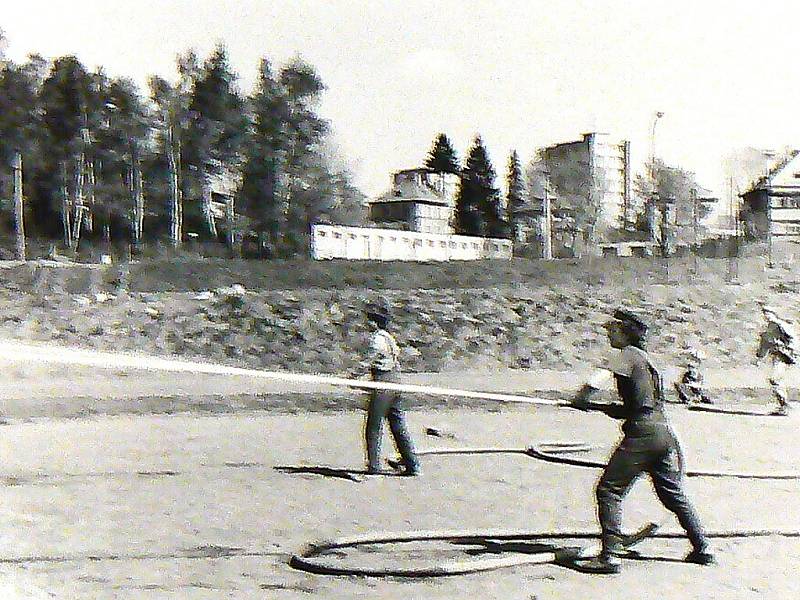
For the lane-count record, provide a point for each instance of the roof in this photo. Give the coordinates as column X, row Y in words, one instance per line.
column 411, row 191
column 766, row 180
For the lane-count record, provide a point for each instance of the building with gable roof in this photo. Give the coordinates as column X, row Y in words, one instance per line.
column 771, row 206
column 411, row 221
column 419, row 200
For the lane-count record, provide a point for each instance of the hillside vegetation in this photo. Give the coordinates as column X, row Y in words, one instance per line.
column 307, row 316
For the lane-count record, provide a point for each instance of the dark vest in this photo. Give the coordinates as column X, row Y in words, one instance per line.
column 642, row 396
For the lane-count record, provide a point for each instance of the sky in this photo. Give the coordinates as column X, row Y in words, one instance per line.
column 523, row 74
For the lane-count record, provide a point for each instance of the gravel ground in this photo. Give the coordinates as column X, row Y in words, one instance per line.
column 198, row 506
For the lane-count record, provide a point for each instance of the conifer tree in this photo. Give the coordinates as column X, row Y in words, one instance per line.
column 478, row 210
column 515, row 197
column 442, row 157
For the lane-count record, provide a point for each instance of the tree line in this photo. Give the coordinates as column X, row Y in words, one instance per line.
column 105, row 163
column 575, row 196
column 480, row 208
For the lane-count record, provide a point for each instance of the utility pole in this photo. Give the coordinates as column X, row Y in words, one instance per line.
column 665, row 236
column 547, row 228
column 18, row 206
column 695, row 222
column 733, row 247
column 654, row 198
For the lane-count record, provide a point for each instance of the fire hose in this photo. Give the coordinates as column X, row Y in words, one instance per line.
column 313, row 558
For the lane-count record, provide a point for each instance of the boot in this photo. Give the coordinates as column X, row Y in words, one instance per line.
column 402, row 469
column 604, row 564
column 700, row 557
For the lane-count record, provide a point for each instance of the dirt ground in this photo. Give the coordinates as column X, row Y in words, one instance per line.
column 202, row 505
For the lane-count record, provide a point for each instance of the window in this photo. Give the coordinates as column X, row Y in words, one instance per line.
column 337, row 235
column 321, row 234
column 497, row 246
column 443, row 244
column 430, row 243
column 453, row 245
column 352, row 236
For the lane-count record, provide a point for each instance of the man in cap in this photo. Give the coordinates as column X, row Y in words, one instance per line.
column 778, row 343
column 648, row 445
column 383, row 362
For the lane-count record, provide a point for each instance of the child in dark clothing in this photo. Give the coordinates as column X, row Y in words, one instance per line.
column 690, row 387
column 648, row 446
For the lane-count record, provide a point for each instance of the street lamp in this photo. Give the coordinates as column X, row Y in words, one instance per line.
column 653, row 182
column 656, row 117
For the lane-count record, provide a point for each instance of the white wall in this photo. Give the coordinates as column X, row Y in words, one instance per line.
column 430, row 218
column 364, row 243
column 609, row 161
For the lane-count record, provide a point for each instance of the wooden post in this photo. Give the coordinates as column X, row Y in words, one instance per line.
column 547, row 232
column 19, row 220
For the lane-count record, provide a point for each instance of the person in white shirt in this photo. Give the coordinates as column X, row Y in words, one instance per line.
column 778, row 343
column 383, row 363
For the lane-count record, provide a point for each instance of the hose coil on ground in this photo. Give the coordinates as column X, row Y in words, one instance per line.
column 312, row 559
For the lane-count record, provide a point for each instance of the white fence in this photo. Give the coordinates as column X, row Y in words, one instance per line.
column 365, row 243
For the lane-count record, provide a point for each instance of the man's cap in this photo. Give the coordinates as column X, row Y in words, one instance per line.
column 628, row 319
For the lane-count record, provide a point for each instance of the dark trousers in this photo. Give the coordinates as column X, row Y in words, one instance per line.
column 387, row 404
column 658, row 454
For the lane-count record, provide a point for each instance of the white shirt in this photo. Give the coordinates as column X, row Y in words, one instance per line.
column 384, row 354
column 619, row 362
